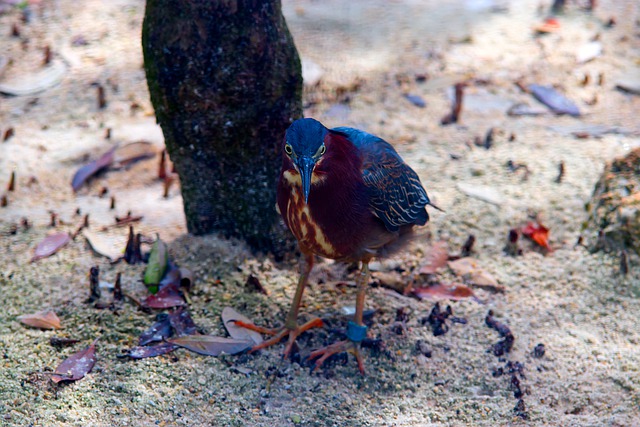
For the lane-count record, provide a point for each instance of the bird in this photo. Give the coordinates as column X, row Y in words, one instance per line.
column 346, row 195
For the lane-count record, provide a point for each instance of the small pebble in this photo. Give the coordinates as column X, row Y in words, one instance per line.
column 416, row 100
column 539, row 351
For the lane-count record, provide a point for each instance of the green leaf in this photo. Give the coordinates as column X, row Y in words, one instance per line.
column 158, row 260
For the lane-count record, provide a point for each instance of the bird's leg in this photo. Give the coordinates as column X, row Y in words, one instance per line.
column 291, row 327
column 356, row 330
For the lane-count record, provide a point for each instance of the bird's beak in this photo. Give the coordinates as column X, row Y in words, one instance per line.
column 306, row 165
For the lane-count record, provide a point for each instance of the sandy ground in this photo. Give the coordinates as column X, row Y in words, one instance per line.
column 371, row 52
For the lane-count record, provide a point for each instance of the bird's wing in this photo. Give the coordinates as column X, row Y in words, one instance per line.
column 396, row 195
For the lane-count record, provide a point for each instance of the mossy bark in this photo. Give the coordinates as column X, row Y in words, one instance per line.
column 614, row 209
column 225, row 81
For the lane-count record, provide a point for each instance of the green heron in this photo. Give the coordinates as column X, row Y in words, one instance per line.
column 346, row 195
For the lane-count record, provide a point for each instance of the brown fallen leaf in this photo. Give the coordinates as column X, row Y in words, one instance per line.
column 436, row 258
column 133, row 152
column 229, row 315
column 50, row 245
column 469, row 270
column 76, row 366
column 124, row 220
column 439, row 291
column 42, row 320
column 392, row 280
column 210, row 345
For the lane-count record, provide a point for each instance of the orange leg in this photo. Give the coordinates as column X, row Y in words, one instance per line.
column 291, row 327
column 356, row 330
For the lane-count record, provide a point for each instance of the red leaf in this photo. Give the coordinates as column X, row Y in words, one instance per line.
column 42, row 320
column 549, row 25
column 538, row 233
column 166, row 297
column 454, row 292
column 50, row 245
column 76, row 366
column 435, row 259
column 211, row 345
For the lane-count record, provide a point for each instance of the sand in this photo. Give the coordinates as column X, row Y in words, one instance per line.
column 371, row 53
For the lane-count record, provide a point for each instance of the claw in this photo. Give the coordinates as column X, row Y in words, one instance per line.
column 279, row 334
column 342, row 346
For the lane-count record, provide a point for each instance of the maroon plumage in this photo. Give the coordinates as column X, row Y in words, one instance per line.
column 345, row 195
column 354, row 207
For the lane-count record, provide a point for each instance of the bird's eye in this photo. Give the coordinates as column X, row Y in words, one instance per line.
column 288, row 149
column 322, row 150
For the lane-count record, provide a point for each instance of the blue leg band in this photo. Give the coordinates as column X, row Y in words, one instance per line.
column 355, row 332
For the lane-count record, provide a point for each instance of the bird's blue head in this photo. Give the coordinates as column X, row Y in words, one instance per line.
column 304, row 144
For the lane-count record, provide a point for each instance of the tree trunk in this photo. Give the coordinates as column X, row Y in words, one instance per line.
column 225, row 81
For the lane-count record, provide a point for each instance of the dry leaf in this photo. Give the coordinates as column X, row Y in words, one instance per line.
column 159, row 331
column 238, row 332
column 150, row 351
column 553, row 99
column 392, row 280
column 538, row 233
column 454, row 292
column 87, row 171
column 166, row 297
column 42, row 320
column 436, row 258
column 468, row 269
column 182, row 323
column 77, row 365
column 103, row 245
column 50, row 245
column 133, row 152
column 209, row 345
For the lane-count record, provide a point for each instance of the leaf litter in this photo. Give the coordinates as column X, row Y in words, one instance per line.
column 229, row 316
column 440, row 291
column 41, row 320
column 538, row 233
column 209, row 345
column 76, row 366
column 553, row 99
column 50, row 245
column 468, row 269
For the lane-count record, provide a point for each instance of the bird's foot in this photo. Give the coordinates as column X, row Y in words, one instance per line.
column 355, row 334
column 278, row 335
